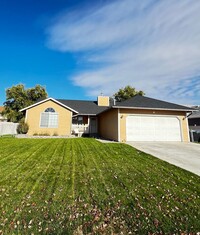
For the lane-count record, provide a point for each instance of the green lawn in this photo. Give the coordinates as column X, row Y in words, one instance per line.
column 81, row 186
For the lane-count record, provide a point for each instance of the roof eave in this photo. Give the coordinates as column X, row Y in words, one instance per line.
column 84, row 114
column 42, row 101
column 127, row 107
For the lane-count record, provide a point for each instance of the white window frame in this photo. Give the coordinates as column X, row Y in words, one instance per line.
column 51, row 118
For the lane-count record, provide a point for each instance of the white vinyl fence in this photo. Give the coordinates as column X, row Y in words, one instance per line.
column 8, row 128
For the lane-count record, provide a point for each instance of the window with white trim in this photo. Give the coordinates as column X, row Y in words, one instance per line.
column 49, row 118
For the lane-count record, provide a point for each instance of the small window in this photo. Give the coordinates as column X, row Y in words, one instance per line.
column 49, row 118
column 80, row 120
column 50, row 110
column 75, row 120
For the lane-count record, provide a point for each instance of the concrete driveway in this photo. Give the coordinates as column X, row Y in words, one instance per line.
column 184, row 155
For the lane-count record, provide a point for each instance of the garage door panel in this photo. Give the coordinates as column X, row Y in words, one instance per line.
column 152, row 128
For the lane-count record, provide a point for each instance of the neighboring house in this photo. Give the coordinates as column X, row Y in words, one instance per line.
column 194, row 126
column 2, row 118
column 137, row 119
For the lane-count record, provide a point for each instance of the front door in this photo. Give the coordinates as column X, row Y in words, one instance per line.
column 93, row 125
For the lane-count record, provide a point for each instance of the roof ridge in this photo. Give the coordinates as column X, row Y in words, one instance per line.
column 78, row 100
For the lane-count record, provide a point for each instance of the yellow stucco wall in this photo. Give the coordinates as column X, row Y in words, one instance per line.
column 108, row 124
column 103, row 101
column 180, row 115
column 64, row 119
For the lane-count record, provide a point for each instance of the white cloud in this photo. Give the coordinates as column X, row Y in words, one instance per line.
column 152, row 45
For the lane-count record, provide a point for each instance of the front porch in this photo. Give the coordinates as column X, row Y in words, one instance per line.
column 84, row 125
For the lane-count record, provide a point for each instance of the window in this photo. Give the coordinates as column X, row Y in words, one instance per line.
column 50, row 110
column 74, row 120
column 80, row 120
column 49, row 118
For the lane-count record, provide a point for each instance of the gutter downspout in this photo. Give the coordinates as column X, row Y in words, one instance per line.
column 187, row 116
column 189, row 133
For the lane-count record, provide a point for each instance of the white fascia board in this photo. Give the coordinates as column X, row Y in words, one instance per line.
column 80, row 114
column 123, row 107
column 42, row 101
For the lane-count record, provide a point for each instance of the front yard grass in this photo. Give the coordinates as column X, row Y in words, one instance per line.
column 81, row 186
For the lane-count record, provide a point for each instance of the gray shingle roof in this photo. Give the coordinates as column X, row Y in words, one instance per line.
column 84, row 107
column 139, row 101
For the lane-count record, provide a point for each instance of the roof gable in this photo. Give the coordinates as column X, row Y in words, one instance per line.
column 143, row 102
column 45, row 100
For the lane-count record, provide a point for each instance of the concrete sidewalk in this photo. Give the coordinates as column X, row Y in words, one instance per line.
column 184, row 155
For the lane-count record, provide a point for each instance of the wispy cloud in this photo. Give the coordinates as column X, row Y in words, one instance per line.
column 152, row 45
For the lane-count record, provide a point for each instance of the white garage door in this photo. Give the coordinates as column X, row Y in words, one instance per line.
column 152, row 128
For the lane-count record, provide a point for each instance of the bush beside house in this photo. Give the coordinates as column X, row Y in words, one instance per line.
column 23, row 127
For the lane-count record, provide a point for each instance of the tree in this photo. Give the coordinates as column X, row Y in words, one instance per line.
column 126, row 93
column 17, row 97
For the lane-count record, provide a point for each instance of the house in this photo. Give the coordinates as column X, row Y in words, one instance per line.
column 194, row 125
column 2, row 118
column 137, row 119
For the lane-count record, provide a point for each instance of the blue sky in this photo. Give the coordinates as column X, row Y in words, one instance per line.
column 79, row 49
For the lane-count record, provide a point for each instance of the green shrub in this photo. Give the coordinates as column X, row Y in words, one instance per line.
column 44, row 134
column 23, row 127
